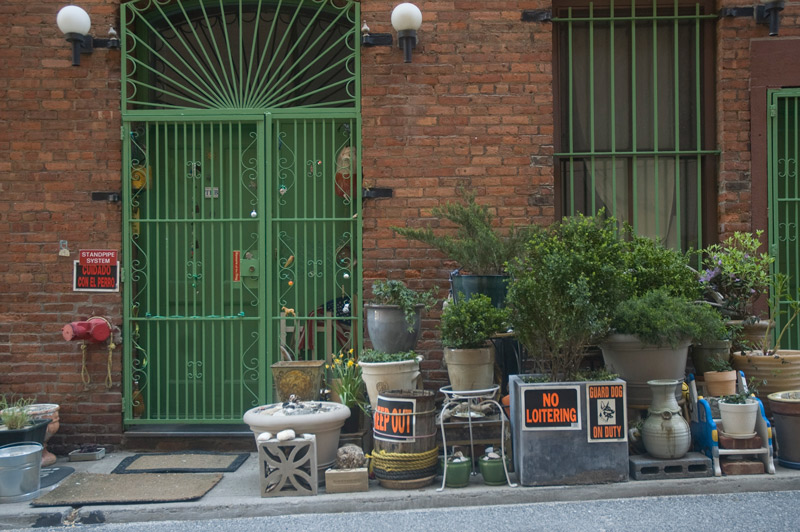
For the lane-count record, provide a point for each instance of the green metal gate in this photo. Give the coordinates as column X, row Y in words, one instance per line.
column 241, row 228
column 783, row 145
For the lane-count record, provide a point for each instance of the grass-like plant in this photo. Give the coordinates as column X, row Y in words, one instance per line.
column 14, row 415
column 371, row 356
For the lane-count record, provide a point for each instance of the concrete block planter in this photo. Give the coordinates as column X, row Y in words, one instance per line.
column 569, row 432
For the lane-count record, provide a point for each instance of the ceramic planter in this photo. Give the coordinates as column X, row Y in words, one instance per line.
column 492, row 470
column 302, row 378
column 703, row 354
column 457, row 473
column 494, row 287
column 739, row 420
column 470, row 369
column 388, row 328
column 637, row 363
column 781, row 371
column 786, row 416
column 665, row 433
column 720, row 383
column 36, row 432
column 569, row 432
column 380, row 377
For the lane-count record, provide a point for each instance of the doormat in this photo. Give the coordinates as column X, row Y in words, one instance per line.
column 83, row 489
column 182, row 462
column 49, row 476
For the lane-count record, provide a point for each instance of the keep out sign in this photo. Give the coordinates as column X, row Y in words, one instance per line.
column 606, row 418
column 394, row 419
column 551, row 408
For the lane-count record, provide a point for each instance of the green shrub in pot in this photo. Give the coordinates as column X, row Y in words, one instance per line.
column 470, row 323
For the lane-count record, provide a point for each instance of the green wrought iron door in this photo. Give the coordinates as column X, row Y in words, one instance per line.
column 783, row 144
column 241, row 233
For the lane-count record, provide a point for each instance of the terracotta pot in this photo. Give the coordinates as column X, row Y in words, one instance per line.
column 49, row 411
column 470, row 369
column 781, row 371
column 720, row 383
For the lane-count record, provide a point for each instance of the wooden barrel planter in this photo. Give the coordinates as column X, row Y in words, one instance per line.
column 405, row 454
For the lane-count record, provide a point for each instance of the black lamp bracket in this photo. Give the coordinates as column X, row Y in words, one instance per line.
column 376, row 39
column 89, row 43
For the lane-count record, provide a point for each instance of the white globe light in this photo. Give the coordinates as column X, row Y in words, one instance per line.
column 73, row 19
column 406, row 16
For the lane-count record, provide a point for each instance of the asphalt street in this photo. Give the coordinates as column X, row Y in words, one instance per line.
column 771, row 511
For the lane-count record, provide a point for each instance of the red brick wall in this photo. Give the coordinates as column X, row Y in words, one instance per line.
column 59, row 141
column 475, row 110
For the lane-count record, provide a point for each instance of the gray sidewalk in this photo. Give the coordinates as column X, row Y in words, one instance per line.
column 238, row 495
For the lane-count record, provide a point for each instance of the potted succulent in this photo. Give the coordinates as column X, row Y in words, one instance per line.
column 394, row 317
column 562, row 289
column 466, row 329
column 388, row 371
column 477, row 247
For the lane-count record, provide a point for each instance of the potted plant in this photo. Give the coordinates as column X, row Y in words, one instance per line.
column 777, row 369
column 16, row 422
column 734, row 276
column 739, row 412
column 785, row 408
column 492, row 469
column 477, row 247
column 651, row 338
column 347, row 387
column 562, row 289
column 466, row 329
column 720, row 379
column 394, row 317
column 388, row 371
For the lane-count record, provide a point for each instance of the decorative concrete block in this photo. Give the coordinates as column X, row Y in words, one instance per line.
column 346, row 480
column 288, row 468
column 692, row 465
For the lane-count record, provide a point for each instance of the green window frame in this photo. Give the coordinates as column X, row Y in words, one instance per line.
column 634, row 115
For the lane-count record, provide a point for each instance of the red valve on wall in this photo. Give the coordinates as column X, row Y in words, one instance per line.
column 91, row 330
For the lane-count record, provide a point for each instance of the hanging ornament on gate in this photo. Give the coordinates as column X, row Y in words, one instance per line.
column 345, row 173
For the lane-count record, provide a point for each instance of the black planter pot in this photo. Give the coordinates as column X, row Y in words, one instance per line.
column 35, row 433
column 493, row 286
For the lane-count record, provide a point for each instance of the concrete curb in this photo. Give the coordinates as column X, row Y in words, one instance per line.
column 237, row 495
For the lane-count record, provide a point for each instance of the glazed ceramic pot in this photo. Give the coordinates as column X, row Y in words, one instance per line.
column 665, row 433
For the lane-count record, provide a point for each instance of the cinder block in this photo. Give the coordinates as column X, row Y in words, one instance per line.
column 726, row 442
column 693, row 465
column 346, row 480
column 288, row 468
column 731, row 466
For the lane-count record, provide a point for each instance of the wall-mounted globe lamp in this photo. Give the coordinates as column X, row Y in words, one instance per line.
column 406, row 20
column 75, row 23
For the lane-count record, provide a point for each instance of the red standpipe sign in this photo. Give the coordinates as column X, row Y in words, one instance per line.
column 97, row 257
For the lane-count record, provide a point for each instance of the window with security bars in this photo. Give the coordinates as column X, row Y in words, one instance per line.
column 635, row 130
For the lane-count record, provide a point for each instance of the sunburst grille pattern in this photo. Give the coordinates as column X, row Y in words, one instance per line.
column 239, row 54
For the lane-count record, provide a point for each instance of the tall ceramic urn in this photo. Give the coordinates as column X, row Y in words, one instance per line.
column 665, row 433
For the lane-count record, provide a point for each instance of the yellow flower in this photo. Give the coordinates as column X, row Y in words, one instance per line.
column 327, row 366
column 351, row 351
column 350, row 363
column 338, row 361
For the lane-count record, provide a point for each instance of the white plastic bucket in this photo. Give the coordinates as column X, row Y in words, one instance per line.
column 20, row 464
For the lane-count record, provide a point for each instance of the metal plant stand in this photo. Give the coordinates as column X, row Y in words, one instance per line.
column 474, row 401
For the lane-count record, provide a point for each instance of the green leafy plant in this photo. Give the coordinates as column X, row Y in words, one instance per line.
column 346, row 381
column 470, row 323
column 393, row 292
column 371, row 356
column 654, row 266
column 563, row 288
column 719, row 364
column 780, row 298
column 14, row 415
column 658, row 318
column 735, row 274
column 477, row 246
column 741, row 397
